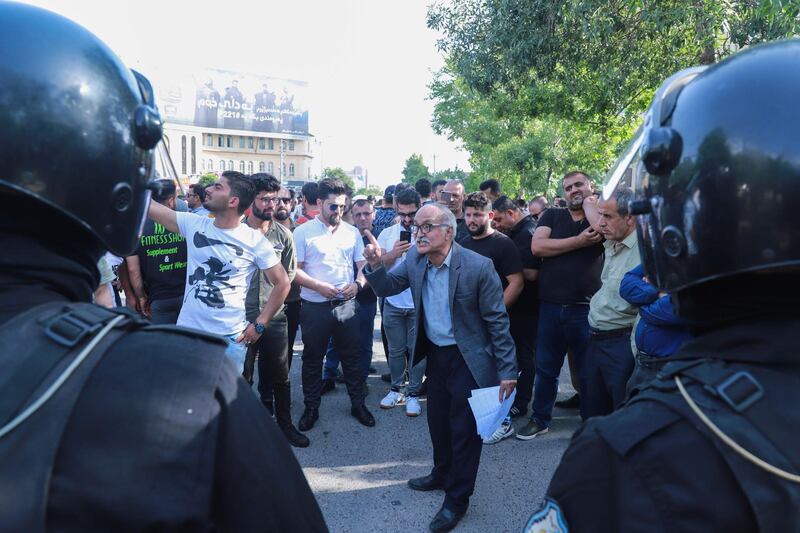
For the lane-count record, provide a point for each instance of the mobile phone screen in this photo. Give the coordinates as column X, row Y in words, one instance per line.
column 405, row 236
column 446, row 196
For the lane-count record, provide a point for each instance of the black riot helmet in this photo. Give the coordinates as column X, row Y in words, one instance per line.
column 716, row 170
column 77, row 132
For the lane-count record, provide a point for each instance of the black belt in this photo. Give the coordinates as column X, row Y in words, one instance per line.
column 328, row 303
column 601, row 334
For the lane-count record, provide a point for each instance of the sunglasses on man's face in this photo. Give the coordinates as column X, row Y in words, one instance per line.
column 335, row 207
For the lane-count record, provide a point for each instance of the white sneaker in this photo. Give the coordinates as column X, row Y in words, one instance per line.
column 412, row 406
column 503, row 432
column 391, row 399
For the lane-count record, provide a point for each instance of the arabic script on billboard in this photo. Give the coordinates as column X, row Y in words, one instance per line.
column 233, row 100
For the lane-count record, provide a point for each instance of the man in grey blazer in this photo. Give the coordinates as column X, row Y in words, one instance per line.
column 462, row 328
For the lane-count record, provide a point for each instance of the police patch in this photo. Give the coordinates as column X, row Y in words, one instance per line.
column 548, row 519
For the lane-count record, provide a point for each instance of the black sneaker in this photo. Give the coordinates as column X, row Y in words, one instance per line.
column 516, row 412
column 327, row 386
column 573, row 402
column 531, row 430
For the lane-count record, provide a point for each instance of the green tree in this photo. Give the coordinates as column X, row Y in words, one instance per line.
column 209, row 178
column 339, row 173
column 415, row 169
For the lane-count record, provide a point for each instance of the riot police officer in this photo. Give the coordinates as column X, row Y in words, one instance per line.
column 711, row 443
column 108, row 423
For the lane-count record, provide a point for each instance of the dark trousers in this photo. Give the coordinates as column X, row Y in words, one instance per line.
column 645, row 370
column 166, row 310
column 561, row 328
column 523, row 331
column 456, row 444
column 293, row 322
column 274, row 387
column 609, row 365
column 319, row 323
column 366, row 331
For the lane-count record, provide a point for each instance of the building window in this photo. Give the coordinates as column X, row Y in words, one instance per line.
column 222, row 165
column 210, row 140
column 250, row 143
column 241, row 142
column 261, row 143
column 262, row 167
column 183, row 154
column 270, row 168
column 241, row 167
column 283, row 168
column 194, row 155
column 272, row 144
column 229, row 141
column 220, row 142
column 291, row 145
column 291, row 169
column 249, row 167
column 230, row 165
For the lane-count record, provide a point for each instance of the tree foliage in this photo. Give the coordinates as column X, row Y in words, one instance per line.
column 415, row 169
column 373, row 190
column 209, row 178
column 535, row 87
column 339, row 173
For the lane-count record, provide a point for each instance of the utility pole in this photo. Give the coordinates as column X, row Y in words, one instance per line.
column 434, row 163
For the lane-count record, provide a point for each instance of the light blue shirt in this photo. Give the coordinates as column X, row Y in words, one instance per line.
column 436, row 303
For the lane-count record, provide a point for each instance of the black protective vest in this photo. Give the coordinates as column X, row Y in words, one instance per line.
column 756, row 406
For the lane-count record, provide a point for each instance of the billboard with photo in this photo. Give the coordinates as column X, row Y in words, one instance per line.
column 213, row 98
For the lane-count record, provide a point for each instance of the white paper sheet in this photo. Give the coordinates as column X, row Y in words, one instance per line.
column 487, row 409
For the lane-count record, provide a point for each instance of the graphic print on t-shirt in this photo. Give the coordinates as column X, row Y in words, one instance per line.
column 206, row 284
column 201, row 241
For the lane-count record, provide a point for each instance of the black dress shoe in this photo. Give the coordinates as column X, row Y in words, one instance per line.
column 445, row 520
column 307, row 420
column 295, row 438
column 327, row 386
column 362, row 415
column 423, row 389
column 426, row 483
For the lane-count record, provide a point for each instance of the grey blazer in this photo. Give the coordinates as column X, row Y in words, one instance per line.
column 480, row 321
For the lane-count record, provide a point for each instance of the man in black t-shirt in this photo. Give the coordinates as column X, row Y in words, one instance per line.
column 524, row 314
column 572, row 260
column 158, row 269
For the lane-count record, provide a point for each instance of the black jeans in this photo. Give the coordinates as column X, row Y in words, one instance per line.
column 274, row 386
column 609, row 365
column 456, row 444
column 166, row 310
column 319, row 323
column 523, row 331
column 293, row 322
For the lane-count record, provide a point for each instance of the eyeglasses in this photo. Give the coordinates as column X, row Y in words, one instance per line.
column 269, row 200
column 426, row 228
column 407, row 215
column 286, row 200
column 334, row 207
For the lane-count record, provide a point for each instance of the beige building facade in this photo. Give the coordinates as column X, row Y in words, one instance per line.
column 196, row 150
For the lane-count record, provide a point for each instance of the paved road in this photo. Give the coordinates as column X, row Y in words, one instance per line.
column 359, row 474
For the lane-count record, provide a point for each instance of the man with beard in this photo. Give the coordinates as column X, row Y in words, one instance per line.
column 271, row 349
column 572, row 258
column 283, row 215
column 485, row 240
column 452, row 197
column 327, row 250
column 195, row 199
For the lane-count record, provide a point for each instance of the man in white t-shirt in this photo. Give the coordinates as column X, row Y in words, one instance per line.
column 223, row 255
column 399, row 315
column 326, row 249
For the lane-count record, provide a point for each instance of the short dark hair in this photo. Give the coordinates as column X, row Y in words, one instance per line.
column 492, row 184
column 623, row 195
column 401, row 187
column 241, row 187
column 361, row 203
column 407, row 197
column 388, row 194
column 423, row 187
column 478, row 200
column 163, row 189
column 573, row 173
column 504, row 203
column 199, row 190
column 264, row 182
column 328, row 186
column 438, row 183
column 521, row 202
column 310, row 191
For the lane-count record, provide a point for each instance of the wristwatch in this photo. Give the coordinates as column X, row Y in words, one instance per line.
column 259, row 327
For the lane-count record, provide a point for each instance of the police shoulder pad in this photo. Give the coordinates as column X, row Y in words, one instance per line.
column 548, row 519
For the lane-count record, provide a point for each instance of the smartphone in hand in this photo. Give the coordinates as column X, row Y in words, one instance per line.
column 405, row 236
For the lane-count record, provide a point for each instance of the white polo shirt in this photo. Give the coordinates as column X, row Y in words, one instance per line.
column 386, row 240
column 327, row 255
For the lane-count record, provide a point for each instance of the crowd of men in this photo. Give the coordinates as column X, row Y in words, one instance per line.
column 255, row 262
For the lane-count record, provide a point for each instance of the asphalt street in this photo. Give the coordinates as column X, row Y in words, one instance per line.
column 359, row 474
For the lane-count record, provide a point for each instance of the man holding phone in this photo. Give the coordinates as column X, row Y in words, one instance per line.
column 572, row 260
column 399, row 315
